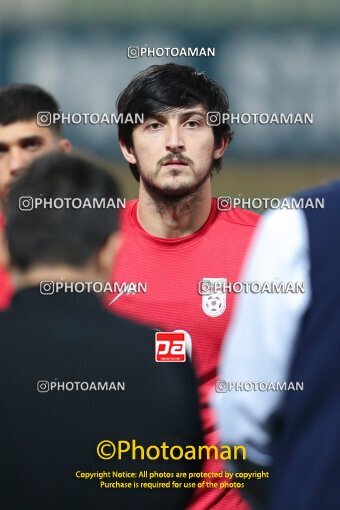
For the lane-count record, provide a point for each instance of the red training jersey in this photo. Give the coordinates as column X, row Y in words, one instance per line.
column 172, row 270
column 6, row 289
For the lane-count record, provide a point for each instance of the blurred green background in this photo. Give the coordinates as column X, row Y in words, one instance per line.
column 270, row 57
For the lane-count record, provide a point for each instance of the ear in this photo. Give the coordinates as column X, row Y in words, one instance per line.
column 221, row 148
column 65, row 145
column 107, row 254
column 4, row 251
column 127, row 153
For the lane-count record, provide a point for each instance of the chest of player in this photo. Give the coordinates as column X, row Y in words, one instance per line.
column 184, row 289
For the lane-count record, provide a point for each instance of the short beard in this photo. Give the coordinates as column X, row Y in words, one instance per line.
column 184, row 196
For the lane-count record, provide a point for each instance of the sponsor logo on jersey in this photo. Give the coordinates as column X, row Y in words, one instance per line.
column 172, row 346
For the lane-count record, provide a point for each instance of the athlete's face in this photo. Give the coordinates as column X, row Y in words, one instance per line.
column 20, row 143
column 174, row 151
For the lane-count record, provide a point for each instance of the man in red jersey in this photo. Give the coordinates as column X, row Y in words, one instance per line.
column 176, row 241
column 21, row 141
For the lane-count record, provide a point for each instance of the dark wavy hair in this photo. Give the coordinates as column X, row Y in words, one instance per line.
column 162, row 87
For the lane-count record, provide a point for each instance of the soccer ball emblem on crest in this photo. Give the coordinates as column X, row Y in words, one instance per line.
column 214, row 302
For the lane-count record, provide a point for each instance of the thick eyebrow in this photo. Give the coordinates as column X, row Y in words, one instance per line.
column 23, row 141
column 30, row 139
column 190, row 113
column 163, row 116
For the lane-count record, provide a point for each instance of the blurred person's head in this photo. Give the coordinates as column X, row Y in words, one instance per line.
column 174, row 151
column 21, row 138
column 66, row 241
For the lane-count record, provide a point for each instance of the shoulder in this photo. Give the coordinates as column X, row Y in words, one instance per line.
column 237, row 216
column 125, row 327
column 331, row 189
column 126, row 214
column 129, row 205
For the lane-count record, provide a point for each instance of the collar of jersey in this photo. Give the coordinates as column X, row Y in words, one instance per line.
column 140, row 235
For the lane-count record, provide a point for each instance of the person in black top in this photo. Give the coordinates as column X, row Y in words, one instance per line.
column 72, row 374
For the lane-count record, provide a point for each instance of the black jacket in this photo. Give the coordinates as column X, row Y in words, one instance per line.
column 48, row 436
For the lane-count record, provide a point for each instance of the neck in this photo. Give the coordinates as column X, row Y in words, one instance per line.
column 171, row 218
column 57, row 273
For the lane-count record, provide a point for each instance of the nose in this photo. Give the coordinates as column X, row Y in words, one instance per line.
column 17, row 162
column 174, row 142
